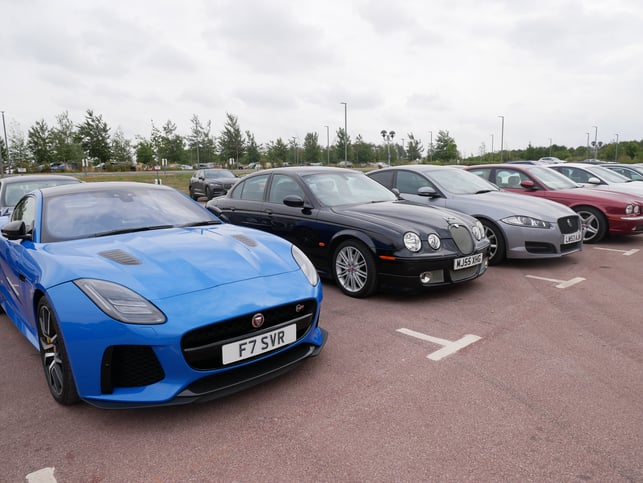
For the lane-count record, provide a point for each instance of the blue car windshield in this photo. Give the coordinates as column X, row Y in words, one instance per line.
column 110, row 211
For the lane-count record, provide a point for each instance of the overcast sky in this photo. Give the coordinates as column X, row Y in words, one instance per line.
column 553, row 68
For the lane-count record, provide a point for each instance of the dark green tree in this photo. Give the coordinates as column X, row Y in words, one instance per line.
column 339, row 145
column 231, row 142
column 144, row 152
column 168, row 144
column 277, row 152
column 93, row 136
column 253, row 150
column 19, row 154
column 414, row 148
column 445, row 150
column 121, row 150
column 312, row 150
column 39, row 142
column 200, row 142
column 65, row 147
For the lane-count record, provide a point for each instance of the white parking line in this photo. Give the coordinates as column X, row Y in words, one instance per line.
column 450, row 347
column 560, row 283
column 626, row 253
column 45, row 475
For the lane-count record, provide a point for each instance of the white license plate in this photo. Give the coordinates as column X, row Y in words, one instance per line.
column 572, row 237
column 466, row 262
column 253, row 346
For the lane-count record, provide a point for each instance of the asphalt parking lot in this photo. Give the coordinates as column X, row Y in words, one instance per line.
column 533, row 372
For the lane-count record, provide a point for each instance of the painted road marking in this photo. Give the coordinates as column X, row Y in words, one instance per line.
column 626, row 253
column 450, row 347
column 45, row 475
column 560, row 283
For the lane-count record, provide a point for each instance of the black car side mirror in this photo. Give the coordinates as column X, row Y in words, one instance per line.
column 294, row 201
column 16, row 230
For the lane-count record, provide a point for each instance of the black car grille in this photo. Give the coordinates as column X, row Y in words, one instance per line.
column 569, row 224
column 462, row 238
column 202, row 348
column 129, row 366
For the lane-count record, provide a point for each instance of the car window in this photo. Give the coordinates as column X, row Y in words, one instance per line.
column 509, row 178
column 26, row 211
column 482, row 172
column 250, row 189
column 282, row 186
column 575, row 174
column 383, row 177
column 408, row 182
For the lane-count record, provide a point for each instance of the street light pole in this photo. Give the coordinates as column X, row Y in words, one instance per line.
column 430, row 146
column 492, row 146
column 502, row 136
column 345, row 132
column 387, row 136
column 587, row 145
column 616, row 154
column 327, row 146
column 6, row 145
column 595, row 142
column 549, row 147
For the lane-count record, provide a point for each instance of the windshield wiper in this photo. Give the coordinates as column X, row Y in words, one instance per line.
column 122, row 231
column 483, row 191
column 200, row 223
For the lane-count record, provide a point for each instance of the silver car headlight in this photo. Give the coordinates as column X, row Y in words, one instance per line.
column 632, row 209
column 306, row 265
column 434, row 241
column 120, row 303
column 412, row 241
column 526, row 221
column 478, row 231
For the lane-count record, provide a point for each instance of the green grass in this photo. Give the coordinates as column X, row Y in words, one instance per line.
column 176, row 179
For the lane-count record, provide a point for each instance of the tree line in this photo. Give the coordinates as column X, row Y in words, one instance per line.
column 92, row 143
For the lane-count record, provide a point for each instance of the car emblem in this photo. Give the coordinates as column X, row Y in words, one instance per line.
column 299, row 308
column 569, row 223
column 257, row 320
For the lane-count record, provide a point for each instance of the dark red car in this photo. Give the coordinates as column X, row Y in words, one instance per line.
column 602, row 212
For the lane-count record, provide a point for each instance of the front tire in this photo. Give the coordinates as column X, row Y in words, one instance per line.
column 595, row 223
column 53, row 355
column 497, row 247
column 354, row 269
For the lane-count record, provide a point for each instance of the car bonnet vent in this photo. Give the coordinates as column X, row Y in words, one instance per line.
column 120, row 256
column 244, row 239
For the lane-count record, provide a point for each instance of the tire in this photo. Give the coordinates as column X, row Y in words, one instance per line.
column 354, row 269
column 498, row 247
column 193, row 196
column 53, row 355
column 595, row 223
column 208, row 193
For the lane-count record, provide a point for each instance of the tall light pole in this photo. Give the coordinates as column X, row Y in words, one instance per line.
column 550, row 147
column 502, row 136
column 387, row 136
column 345, row 132
column 492, row 146
column 587, row 145
column 430, row 146
column 6, row 145
column 595, row 142
column 327, row 146
column 616, row 154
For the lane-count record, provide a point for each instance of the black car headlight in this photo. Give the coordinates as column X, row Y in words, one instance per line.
column 306, row 265
column 526, row 221
column 120, row 303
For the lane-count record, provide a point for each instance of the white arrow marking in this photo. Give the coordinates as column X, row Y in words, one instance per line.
column 561, row 283
column 626, row 253
column 450, row 347
column 45, row 475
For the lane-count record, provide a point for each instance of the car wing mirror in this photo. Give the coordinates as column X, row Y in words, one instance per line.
column 294, row 201
column 528, row 184
column 16, row 230
column 427, row 191
column 594, row 180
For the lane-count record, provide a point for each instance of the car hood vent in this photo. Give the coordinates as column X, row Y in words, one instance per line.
column 120, row 256
column 246, row 240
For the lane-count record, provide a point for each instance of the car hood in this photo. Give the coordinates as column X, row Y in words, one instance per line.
column 579, row 194
column 405, row 216
column 503, row 203
column 165, row 263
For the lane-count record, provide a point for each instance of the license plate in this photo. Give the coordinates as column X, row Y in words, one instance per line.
column 253, row 346
column 572, row 237
column 466, row 262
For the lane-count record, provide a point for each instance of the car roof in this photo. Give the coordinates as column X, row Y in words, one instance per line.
column 304, row 170
column 21, row 178
column 99, row 186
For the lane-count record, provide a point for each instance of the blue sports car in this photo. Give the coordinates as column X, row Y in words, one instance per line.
column 136, row 295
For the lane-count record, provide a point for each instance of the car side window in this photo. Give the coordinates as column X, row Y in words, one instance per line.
column 26, row 211
column 283, row 185
column 509, row 178
column 409, row 183
column 251, row 189
column 483, row 173
column 383, row 177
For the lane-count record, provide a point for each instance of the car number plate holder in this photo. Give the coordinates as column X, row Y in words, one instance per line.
column 466, row 262
column 253, row 346
column 572, row 237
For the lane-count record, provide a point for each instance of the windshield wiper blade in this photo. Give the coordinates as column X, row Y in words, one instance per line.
column 122, row 231
column 483, row 191
column 200, row 223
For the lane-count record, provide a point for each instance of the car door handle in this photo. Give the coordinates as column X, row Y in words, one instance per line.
column 268, row 212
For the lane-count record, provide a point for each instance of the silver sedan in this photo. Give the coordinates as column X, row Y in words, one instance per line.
column 517, row 226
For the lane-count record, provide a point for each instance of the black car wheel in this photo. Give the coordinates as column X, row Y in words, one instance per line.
column 192, row 195
column 497, row 247
column 354, row 269
column 54, row 357
column 595, row 223
column 208, row 193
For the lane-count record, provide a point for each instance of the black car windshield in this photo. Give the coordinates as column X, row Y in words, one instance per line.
column 218, row 173
column 108, row 211
column 553, row 180
column 459, row 181
column 346, row 188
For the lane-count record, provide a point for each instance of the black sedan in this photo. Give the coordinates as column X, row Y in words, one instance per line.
column 356, row 231
column 211, row 183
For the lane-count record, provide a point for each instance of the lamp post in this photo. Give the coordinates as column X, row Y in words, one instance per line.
column 345, row 132
column 327, row 146
column 6, row 145
column 616, row 154
column 587, row 145
column 430, row 146
column 502, row 136
column 595, row 142
column 550, row 147
column 492, row 146
column 387, row 136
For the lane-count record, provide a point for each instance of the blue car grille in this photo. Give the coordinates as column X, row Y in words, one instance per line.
column 202, row 347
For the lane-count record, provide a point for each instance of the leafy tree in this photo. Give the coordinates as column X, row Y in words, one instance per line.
column 65, row 148
column 363, row 152
column 39, row 142
column 312, row 150
column 231, row 142
column 200, row 142
column 414, row 148
column 121, row 148
column 342, row 150
column 19, row 154
column 277, row 152
column 446, row 150
column 253, row 153
column 144, row 152
column 167, row 143
column 93, row 136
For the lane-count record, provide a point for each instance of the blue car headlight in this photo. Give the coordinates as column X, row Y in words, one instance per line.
column 526, row 221
column 306, row 265
column 120, row 303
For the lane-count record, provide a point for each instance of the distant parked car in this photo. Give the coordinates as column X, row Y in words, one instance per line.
column 15, row 187
column 595, row 176
column 345, row 164
column 517, row 226
column 356, row 231
column 631, row 171
column 602, row 211
column 211, row 183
